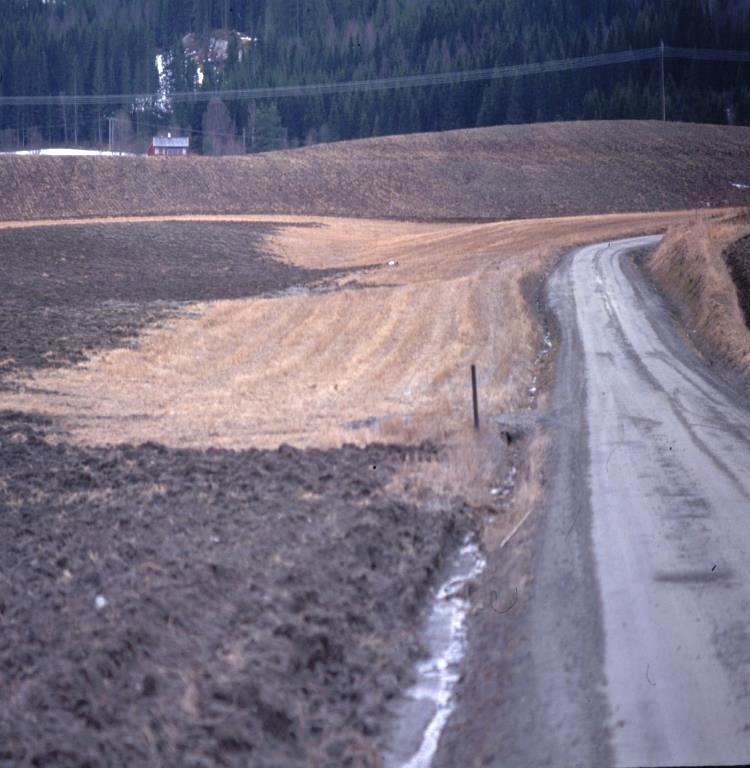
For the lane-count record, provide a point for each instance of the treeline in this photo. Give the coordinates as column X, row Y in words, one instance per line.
column 109, row 46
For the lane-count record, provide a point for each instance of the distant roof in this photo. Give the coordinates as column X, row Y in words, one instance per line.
column 175, row 141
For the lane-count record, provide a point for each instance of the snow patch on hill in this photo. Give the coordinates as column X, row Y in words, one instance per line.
column 68, row 152
column 166, row 82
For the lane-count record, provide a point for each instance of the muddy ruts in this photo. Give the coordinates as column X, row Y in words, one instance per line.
column 199, row 608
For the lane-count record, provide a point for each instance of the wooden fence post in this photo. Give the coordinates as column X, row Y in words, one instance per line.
column 475, row 397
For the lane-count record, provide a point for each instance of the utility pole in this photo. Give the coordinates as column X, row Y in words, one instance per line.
column 65, row 119
column 111, row 121
column 252, row 125
column 75, row 108
column 663, row 90
column 244, row 141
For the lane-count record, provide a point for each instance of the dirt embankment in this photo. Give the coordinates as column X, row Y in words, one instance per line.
column 508, row 172
column 702, row 266
column 738, row 260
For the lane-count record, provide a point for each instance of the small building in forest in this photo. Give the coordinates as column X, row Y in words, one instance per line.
column 169, row 146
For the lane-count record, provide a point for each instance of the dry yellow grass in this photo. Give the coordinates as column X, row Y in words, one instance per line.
column 300, row 369
column 690, row 268
column 527, row 495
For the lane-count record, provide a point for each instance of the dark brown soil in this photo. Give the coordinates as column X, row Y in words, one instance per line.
column 69, row 290
column 164, row 607
column 738, row 261
column 205, row 608
column 502, row 172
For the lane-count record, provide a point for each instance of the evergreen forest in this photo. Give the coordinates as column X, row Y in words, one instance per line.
column 75, row 47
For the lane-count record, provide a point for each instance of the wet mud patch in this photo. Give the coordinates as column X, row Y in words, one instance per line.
column 199, row 608
column 70, row 290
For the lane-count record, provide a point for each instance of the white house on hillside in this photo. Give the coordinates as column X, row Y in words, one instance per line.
column 172, row 146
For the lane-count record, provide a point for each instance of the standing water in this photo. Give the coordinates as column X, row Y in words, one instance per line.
column 424, row 710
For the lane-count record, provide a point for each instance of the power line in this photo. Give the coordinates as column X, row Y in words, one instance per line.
column 392, row 83
column 351, row 86
column 706, row 54
column 663, row 88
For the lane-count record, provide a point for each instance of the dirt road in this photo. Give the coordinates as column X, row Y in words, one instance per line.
column 631, row 643
column 671, row 524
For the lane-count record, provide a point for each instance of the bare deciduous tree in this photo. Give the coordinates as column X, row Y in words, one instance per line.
column 219, row 137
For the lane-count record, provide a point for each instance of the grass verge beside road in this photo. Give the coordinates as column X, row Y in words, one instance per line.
column 694, row 266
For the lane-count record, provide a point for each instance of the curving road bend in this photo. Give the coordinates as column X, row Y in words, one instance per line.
column 629, row 643
column 669, row 483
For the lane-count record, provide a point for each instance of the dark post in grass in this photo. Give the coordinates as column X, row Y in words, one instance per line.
column 474, row 395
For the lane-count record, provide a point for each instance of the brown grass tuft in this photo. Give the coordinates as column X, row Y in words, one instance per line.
column 470, row 465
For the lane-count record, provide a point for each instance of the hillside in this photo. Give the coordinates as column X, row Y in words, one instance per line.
column 505, row 172
column 738, row 262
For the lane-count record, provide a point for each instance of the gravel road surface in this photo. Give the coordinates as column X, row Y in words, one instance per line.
column 669, row 448
column 629, row 643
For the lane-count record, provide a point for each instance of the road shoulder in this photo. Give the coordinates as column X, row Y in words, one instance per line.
column 533, row 691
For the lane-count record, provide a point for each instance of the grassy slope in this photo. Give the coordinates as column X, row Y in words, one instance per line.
column 501, row 172
column 690, row 267
column 738, row 260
